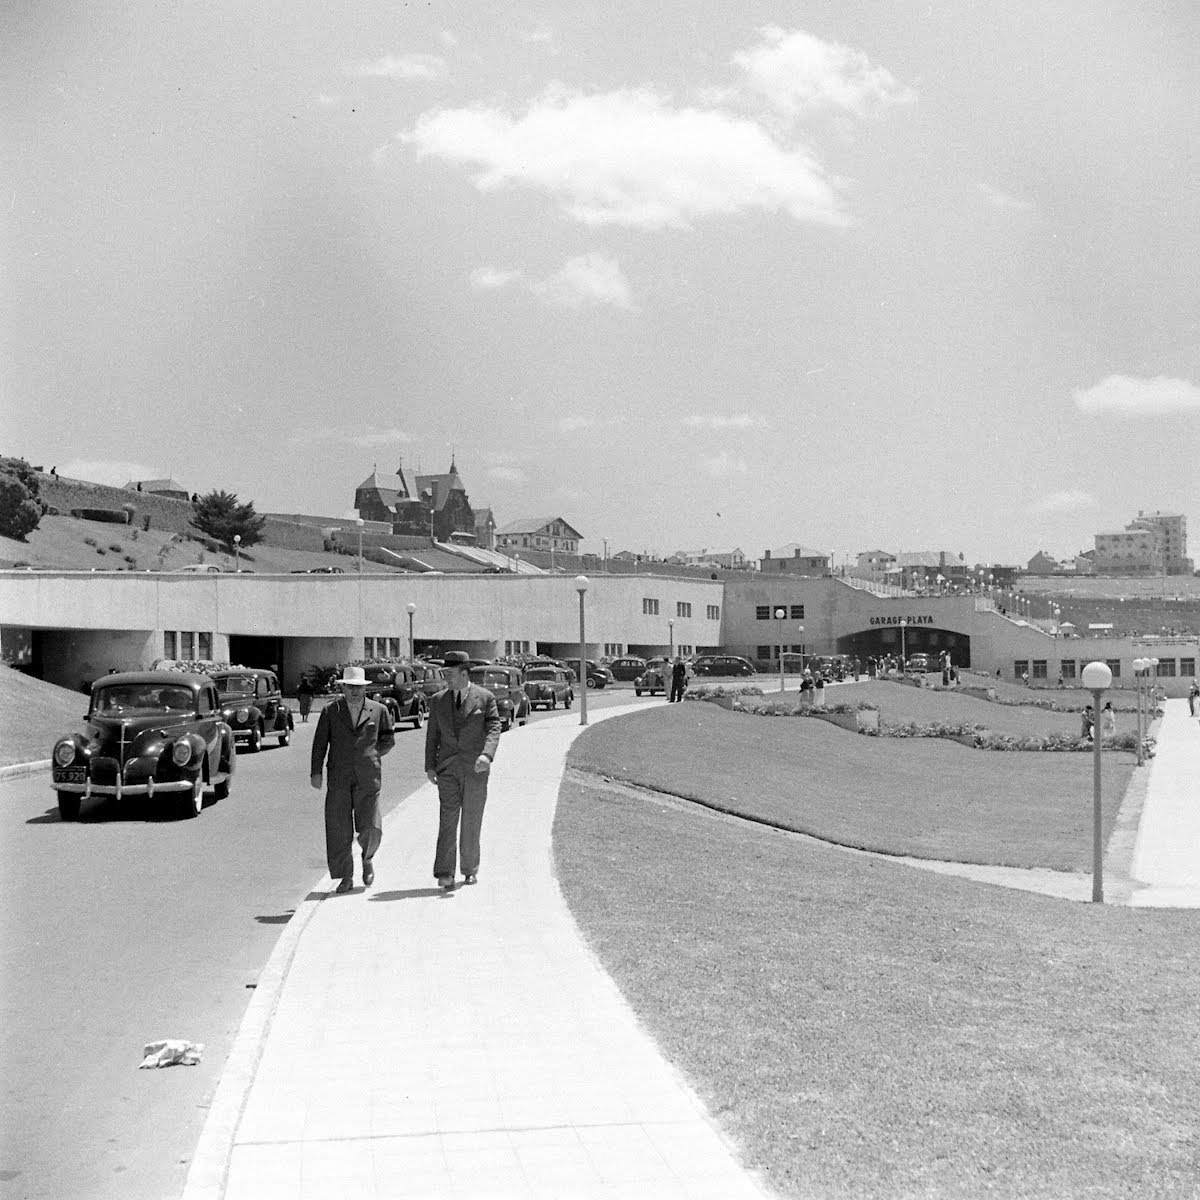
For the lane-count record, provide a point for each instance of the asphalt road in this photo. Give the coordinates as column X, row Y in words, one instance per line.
column 118, row 931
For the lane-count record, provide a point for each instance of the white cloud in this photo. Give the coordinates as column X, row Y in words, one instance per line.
column 572, row 494
column 1063, row 502
column 1126, row 396
column 327, row 101
column 365, row 440
column 631, row 158
column 736, row 421
column 576, row 422
column 541, row 36
column 403, row 66
column 999, row 199
column 447, row 38
column 114, row 472
column 798, row 73
column 512, row 475
column 723, row 465
column 488, row 279
column 586, row 279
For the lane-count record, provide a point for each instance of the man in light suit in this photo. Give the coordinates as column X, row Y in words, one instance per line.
column 461, row 737
column 354, row 733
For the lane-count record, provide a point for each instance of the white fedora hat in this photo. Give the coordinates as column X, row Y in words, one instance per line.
column 354, row 675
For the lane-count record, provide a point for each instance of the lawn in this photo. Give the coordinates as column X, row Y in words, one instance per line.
column 922, row 796
column 33, row 714
column 867, row 1030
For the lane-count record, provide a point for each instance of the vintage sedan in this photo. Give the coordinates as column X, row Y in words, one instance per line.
column 627, row 667
column 597, row 675
column 157, row 734
column 547, row 686
column 655, row 677
column 407, row 699
column 722, row 664
column 506, row 685
column 253, row 705
column 431, row 677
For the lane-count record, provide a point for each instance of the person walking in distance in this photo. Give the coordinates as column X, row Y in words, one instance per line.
column 461, row 738
column 678, row 680
column 1193, row 694
column 353, row 734
column 304, row 695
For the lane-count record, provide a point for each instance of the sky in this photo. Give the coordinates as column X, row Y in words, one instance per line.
column 852, row 274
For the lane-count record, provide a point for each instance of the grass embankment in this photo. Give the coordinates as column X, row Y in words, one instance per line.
column 926, row 797
column 868, row 1030
column 32, row 714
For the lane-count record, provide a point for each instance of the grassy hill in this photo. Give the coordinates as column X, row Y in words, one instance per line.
column 32, row 714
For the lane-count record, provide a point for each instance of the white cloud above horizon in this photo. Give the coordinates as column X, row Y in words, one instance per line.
column 1126, row 395
column 1001, row 199
column 511, row 475
column 631, row 158
column 402, row 66
column 1067, row 501
column 798, row 73
column 724, row 465
column 592, row 278
column 113, row 472
column 719, row 422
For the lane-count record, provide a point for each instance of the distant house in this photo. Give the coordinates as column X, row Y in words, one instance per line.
column 795, row 559
column 160, row 487
column 731, row 560
column 1043, row 564
column 540, row 533
column 875, row 562
column 439, row 508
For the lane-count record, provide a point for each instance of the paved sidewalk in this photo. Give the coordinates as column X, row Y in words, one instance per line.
column 421, row 1044
column 1166, row 857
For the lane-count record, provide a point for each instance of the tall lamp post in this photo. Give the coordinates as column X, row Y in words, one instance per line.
column 800, row 628
column 780, row 613
column 360, row 523
column 671, row 635
column 237, row 553
column 581, row 586
column 903, row 652
column 1139, row 669
column 412, row 608
column 1097, row 678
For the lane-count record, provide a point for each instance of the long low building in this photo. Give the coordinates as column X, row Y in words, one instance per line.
column 69, row 627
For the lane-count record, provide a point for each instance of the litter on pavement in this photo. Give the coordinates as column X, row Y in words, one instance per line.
column 170, row 1052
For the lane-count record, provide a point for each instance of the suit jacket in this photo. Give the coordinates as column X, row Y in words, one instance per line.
column 461, row 735
column 353, row 750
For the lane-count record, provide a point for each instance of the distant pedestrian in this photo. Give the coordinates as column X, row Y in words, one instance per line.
column 857, row 670
column 945, row 669
column 1193, row 694
column 353, row 734
column 461, row 739
column 1085, row 724
column 1108, row 721
column 806, row 689
column 819, row 689
column 678, row 680
column 304, row 696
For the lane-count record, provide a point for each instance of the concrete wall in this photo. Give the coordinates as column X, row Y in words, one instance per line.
column 70, row 657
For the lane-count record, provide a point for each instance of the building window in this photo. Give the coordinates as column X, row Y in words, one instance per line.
column 1187, row 667
column 713, row 612
column 170, row 644
column 649, row 607
column 613, row 650
column 1114, row 665
column 763, row 652
column 1039, row 668
column 797, row 612
column 762, row 612
column 683, row 608
column 1068, row 668
column 683, row 648
column 1020, row 667
column 394, row 647
column 368, row 648
column 1165, row 668
column 204, row 646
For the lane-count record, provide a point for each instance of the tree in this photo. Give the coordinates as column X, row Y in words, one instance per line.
column 20, row 506
column 221, row 516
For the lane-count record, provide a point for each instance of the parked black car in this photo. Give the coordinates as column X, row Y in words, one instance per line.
column 548, row 686
column 157, row 734
column 597, row 676
column 722, row 664
column 627, row 667
column 506, row 684
column 655, row 677
column 252, row 703
column 399, row 687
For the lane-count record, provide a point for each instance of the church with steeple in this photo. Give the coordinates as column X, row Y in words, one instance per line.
column 439, row 507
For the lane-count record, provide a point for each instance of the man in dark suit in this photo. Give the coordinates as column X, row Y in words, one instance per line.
column 461, row 738
column 354, row 733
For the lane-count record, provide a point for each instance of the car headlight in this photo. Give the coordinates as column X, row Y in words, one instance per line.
column 243, row 715
column 181, row 753
column 64, row 753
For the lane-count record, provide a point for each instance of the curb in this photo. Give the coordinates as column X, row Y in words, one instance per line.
column 20, row 770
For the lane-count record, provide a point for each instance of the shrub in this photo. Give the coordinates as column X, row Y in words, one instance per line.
column 20, row 512
column 90, row 541
column 145, row 522
column 131, row 560
column 101, row 550
column 116, row 547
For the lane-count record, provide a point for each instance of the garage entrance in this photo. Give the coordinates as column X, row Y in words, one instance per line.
column 247, row 650
column 918, row 639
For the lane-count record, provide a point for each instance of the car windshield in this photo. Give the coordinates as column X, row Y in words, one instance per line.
column 491, row 678
column 143, row 697
column 378, row 674
column 236, row 685
column 541, row 673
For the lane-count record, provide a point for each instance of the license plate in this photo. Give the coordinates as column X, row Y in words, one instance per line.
column 70, row 774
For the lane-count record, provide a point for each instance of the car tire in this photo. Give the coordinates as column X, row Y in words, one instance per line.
column 553, row 704
column 254, row 745
column 285, row 736
column 591, row 683
column 225, row 770
column 506, row 725
column 190, row 803
column 418, row 717
column 68, row 806
column 637, row 691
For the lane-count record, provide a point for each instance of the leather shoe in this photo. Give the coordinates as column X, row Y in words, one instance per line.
column 444, row 881
column 368, row 874
column 472, row 878
column 346, row 885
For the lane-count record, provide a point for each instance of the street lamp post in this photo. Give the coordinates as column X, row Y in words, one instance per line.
column 237, row 553
column 1097, row 678
column 800, row 628
column 360, row 523
column 412, row 608
column 780, row 613
column 903, row 651
column 671, row 635
column 581, row 586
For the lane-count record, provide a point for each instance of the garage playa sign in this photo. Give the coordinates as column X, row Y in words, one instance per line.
column 903, row 618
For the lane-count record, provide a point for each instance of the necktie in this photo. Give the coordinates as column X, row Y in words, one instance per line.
column 458, row 700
